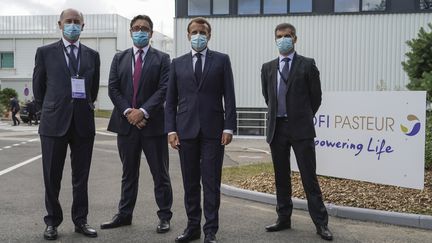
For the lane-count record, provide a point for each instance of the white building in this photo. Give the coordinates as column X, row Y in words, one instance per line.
column 358, row 45
column 20, row 36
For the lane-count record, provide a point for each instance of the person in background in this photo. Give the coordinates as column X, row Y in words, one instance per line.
column 15, row 108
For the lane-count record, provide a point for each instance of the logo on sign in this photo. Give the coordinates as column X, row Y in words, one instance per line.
column 415, row 128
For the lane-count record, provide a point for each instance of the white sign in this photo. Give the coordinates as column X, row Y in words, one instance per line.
column 372, row 136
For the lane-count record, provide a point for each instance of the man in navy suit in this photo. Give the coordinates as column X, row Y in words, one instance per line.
column 137, row 87
column 292, row 91
column 199, row 127
column 65, row 85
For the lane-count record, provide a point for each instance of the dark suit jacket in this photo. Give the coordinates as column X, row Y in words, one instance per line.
column 192, row 108
column 303, row 96
column 53, row 93
column 150, row 95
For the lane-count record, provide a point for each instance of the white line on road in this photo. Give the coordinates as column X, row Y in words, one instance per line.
column 19, row 165
column 259, row 150
column 6, row 147
column 17, row 144
column 23, row 142
column 250, row 157
column 106, row 134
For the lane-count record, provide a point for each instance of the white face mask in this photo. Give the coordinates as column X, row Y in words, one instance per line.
column 285, row 44
column 198, row 42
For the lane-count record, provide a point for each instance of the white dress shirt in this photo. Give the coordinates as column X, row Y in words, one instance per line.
column 68, row 49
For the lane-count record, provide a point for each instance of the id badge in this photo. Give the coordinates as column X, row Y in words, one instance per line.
column 78, row 88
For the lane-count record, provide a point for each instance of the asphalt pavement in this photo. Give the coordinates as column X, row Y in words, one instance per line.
column 22, row 199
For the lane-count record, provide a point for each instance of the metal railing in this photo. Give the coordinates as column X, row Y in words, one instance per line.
column 251, row 123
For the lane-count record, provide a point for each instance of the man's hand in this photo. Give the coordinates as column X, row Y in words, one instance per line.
column 226, row 138
column 135, row 116
column 140, row 125
column 174, row 141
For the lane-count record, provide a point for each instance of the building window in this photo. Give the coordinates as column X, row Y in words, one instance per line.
column 249, row 6
column 220, row 6
column 373, row 5
column 275, row 6
column 426, row 4
column 301, row 6
column 6, row 60
column 198, row 7
column 346, row 5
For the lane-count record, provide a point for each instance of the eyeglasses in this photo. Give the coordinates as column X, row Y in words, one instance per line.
column 140, row 28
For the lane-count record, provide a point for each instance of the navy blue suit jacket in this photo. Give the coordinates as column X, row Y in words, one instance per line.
column 209, row 107
column 151, row 90
column 52, row 91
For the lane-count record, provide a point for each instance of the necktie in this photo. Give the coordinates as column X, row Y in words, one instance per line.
column 73, row 63
column 137, row 76
column 198, row 68
column 283, row 89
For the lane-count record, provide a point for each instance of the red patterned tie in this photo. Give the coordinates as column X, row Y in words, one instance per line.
column 137, row 76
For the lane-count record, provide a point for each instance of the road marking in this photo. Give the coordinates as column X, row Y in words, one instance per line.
column 259, row 150
column 17, row 144
column 6, row 147
column 23, row 142
column 250, row 157
column 106, row 134
column 19, row 165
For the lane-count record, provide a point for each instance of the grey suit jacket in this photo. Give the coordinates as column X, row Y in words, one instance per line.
column 302, row 100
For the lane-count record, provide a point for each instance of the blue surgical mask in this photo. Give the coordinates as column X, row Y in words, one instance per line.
column 198, row 42
column 285, row 44
column 72, row 31
column 140, row 38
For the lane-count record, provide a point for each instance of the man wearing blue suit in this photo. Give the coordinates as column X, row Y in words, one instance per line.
column 199, row 127
column 65, row 85
column 137, row 87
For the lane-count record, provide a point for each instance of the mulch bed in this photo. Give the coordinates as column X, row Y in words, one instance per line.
column 353, row 193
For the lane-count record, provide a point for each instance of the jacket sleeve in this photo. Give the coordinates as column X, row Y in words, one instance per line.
column 114, row 87
column 39, row 79
column 158, row 98
column 229, row 97
column 96, row 79
column 171, row 101
column 264, row 84
column 315, row 92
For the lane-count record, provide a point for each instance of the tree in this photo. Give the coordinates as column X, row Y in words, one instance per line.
column 5, row 96
column 418, row 66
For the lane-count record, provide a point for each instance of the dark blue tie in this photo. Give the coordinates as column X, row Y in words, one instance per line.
column 281, row 98
column 73, row 63
column 198, row 68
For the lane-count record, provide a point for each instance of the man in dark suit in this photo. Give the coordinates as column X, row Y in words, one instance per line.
column 292, row 91
column 65, row 85
column 137, row 87
column 199, row 127
column 15, row 108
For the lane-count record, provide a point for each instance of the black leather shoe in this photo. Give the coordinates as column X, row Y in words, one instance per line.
column 210, row 238
column 50, row 233
column 163, row 226
column 279, row 225
column 117, row 221
column 86, row 230
column 324, row 232
column 189, row 235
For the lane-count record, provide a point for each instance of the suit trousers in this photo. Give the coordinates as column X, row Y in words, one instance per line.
column 14, row 118
column 202, row 159
column 53, row 159
column 304, row 151
column 155, row 149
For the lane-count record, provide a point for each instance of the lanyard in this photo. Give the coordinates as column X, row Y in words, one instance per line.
column 78, row 58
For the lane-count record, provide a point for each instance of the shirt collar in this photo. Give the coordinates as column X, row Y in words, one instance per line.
column 203, row 52
column 290, row 56
column 67, row 43
column 136, row 49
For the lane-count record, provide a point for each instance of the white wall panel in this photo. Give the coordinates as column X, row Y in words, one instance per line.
column 352, row 52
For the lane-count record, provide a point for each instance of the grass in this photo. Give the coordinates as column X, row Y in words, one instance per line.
column 240, row 173
column 103, row 113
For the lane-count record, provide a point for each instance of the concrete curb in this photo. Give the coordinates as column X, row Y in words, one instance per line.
column 402, row 219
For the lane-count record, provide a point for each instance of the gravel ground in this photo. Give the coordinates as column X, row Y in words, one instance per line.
column 352, row 193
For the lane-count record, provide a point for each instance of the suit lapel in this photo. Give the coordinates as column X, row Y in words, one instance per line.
column 273, row 75
column 127, row 65
column 83, row 58
column 293, row 69
column 207, row 66
column 61, row 55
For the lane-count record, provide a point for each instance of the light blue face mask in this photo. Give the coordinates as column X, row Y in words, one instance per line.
column 140, row 38
column 72, row 31
column 285, row 45
column 198, row 42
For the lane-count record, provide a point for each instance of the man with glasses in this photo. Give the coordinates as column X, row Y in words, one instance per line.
column 137, row 87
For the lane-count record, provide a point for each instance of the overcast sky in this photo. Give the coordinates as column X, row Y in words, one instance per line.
column 160, row 11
